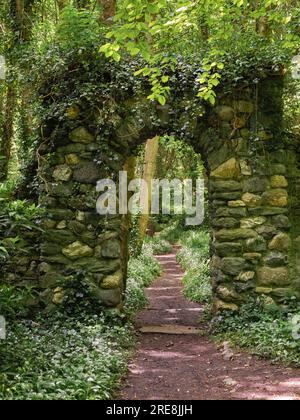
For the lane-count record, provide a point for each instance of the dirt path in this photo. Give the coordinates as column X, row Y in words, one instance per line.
column 184, row 365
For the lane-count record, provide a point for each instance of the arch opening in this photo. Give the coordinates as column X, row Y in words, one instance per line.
column 253, row 188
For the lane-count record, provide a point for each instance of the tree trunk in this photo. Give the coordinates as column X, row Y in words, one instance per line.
column 61, row 4
column 109, row 10
column 129, row 167
column 262, row 26
column 7, row 132
column 151, row 152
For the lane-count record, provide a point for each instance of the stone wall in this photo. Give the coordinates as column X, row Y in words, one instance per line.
column 292, row 160
column 254, row 196
column 254, row 199
column 77, row 242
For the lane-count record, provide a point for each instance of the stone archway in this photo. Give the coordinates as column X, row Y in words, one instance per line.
column 253, row 192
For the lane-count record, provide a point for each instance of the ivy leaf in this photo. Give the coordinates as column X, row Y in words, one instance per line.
column 162, row 100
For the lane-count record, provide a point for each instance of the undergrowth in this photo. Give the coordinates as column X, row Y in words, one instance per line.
column 157, row 245
column 194, row 258
column 141, row 272
column 80, row 357
column 265, row 329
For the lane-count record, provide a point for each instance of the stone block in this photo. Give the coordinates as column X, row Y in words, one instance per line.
column 233, row 266
column 281, row 242
column 81, row 135
column 77, row 250
column 228, row 170
column 273, row 277
column 227, row 249
column 252, row 200
column 276, row 197
column 227, row 235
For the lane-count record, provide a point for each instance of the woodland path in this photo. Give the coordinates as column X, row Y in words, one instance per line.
column 173, row 362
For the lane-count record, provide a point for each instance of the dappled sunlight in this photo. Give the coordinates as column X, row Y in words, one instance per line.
column 174, row 362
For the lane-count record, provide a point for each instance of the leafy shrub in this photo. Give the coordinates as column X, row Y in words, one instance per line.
column 157, row 245
column 134, row 247
column 197, row 285
column 174, row 232
column 14, row 300
column 3, row 251
column 194, row 257
column 141, row 272
column 18, row 216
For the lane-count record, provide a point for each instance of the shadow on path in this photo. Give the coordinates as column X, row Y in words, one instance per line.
column 173, row 364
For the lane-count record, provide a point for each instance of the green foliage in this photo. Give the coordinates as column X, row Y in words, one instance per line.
column 62, row 358
column 80, row 295
column 197, row 287
column 159, row 33
column 133, row 246
column 157, row 245
column 78, row 28
column 174, row 231
column 16, row 217
column 82, row 357
column 142, row 270
column 177, row 159
column 20, row 214
column 263, row 328
column 194, row 258
column 14, row 300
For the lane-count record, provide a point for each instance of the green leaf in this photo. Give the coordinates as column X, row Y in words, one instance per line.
column 162, row 100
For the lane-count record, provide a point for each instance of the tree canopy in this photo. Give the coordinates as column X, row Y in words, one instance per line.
column 263, row 31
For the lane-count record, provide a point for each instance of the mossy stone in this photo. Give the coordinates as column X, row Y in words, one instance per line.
column 276, row 259
column 231, row 212
column 227, row 249
column 109, row 298
column 252, row 200
column 113, row 281
column 227, row 294
column 77, row 250
column 276, row 197
column 111, row 249
column 228, row 170
column 81, row 135
column 281, row 242
column 228, row 235
column 225, row 186
column 256, row 244
column 226, row 222
column 62, row 173
column 256, row 185
column 233, row 266
column 268, row 276
column 87, row 172
column 279, row 181
column 60, row 237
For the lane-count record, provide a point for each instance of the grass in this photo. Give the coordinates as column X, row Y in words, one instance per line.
column 74, row 358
